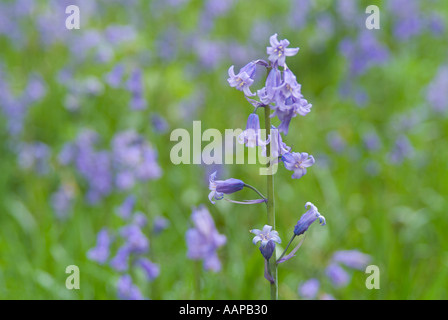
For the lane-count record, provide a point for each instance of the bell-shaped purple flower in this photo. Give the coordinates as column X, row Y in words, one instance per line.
column 288, row 108
column 265, row 235
column 278, row 51
column 268, row 93
column 308, row 218
column 268, row 250
column 297, row 162
column 290, row 86
column 244, row 79
column 220, row 187
column 251, row 136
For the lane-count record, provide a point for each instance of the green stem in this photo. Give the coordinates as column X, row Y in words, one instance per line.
column 272, row 265
column 287, row 246
column 253, row 188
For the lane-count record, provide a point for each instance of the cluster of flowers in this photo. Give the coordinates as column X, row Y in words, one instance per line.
column 15, row 107
column 268, row 237
column 80, row 89
column 336, row 273
column 132, row 251
column 130, row 160
column 282, row 94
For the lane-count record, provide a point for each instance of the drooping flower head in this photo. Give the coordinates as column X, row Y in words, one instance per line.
column 290, row 86
column 308, row 218
column 251, row 136
column 220, row 187
column 278, row 51
column 287, row 108
column 268, row 93
column 244, row 79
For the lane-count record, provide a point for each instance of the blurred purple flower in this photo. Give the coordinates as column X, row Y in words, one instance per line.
column 134, row 159
column 363, row 52
column 436, row 24
column 326, row 296
column 62, row 200
column 309, row 289
column 34, row 156
column 100, row 253
column 406, row 17
column 127, row 290
column 402, row 149
column 336, row 142
column 436, row 90
column 203, row 239
column 337, row 275
column 159, row 123
column 120, row 262
column 35, row 89
column 352, row 258
column 135, row 86
column 117, row 34
column 136, row 241
column 115, row 76
column 371, row 141
column 127, row 207
column 159, row 224
column 151, row 269
column 299, row 13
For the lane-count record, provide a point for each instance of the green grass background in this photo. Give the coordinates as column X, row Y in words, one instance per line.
column 398, row 217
